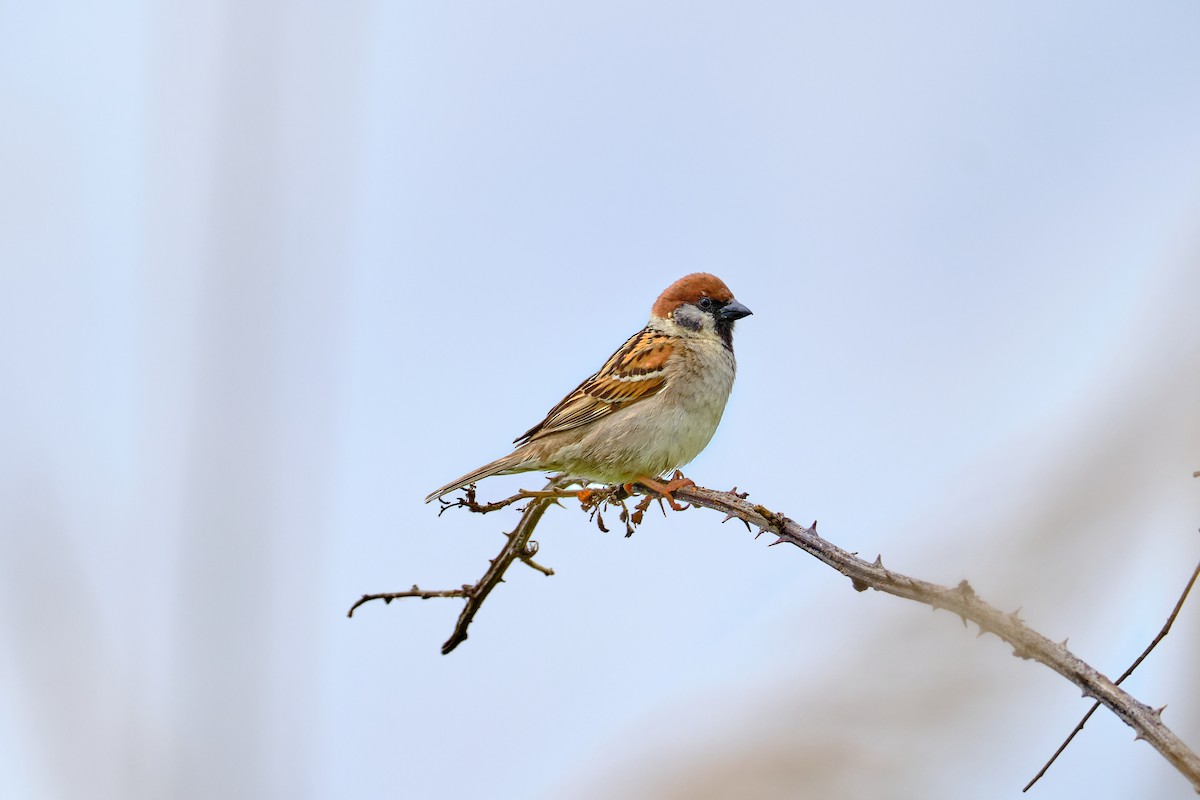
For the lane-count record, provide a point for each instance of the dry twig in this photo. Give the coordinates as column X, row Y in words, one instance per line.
column 961, row 599
column 1026, row 643
column 1136, row 662
column 518, row 545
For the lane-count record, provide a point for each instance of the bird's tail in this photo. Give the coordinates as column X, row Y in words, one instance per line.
column 501, row 466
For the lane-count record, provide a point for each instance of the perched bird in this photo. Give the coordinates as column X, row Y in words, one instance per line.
column 652, row 407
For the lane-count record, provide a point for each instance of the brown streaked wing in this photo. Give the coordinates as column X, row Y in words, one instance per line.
column 633, row 373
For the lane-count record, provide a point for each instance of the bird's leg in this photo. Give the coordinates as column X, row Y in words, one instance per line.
column 677, row 482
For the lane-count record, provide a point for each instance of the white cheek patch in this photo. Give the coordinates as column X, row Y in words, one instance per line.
column 691, row 318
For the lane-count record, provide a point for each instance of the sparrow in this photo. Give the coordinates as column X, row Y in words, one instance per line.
column 651, row 408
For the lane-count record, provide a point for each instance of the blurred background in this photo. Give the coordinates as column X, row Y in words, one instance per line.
column 271, row 272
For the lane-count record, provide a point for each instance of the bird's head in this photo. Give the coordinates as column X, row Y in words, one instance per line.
column 700, row 303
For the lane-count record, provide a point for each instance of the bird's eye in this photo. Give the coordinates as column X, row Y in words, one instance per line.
column 706, row 303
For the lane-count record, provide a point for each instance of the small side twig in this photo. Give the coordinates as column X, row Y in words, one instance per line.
column 415, row 591
column 468, row 501
column 518, row 546
column 1161, row 635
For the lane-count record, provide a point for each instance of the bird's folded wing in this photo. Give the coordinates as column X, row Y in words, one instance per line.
column 635, row 372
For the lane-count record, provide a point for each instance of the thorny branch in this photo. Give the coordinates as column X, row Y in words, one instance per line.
column 961, row 599
column 518, row 546
column 1166, row 628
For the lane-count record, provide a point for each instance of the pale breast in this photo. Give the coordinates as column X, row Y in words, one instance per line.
column 656, row 435
column 700, row 396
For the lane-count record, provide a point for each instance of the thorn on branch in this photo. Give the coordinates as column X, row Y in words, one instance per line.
column 732, row 515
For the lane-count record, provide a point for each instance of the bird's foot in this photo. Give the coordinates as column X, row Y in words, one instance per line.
column 678, row 481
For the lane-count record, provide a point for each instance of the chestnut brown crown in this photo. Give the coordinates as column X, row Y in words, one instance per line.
column 690, row 289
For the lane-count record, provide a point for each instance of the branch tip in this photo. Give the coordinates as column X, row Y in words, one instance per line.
column 1194, row 774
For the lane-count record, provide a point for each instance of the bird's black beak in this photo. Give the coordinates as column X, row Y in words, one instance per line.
column 734, row 310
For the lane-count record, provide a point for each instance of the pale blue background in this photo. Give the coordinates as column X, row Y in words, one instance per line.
column 270, row 272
